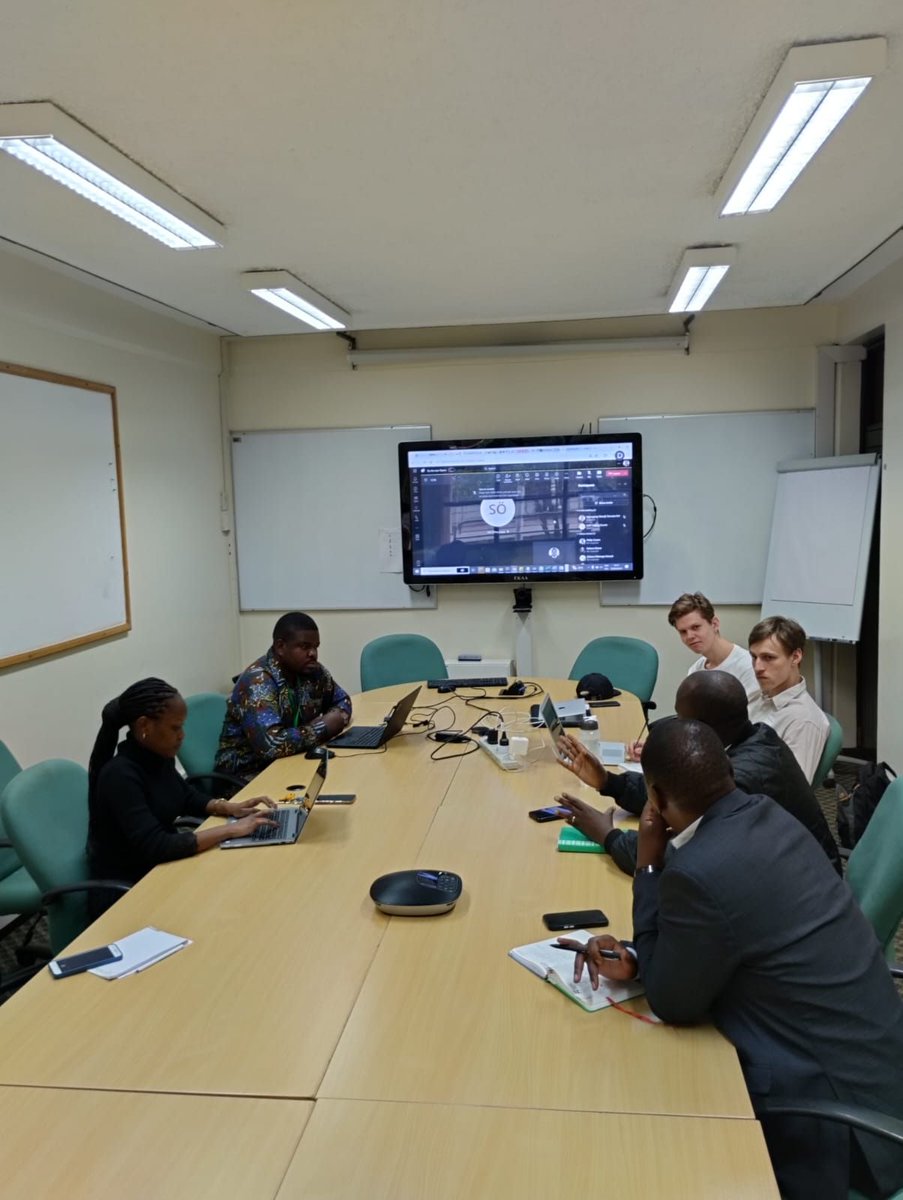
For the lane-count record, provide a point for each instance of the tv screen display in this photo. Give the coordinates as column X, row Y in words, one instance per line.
column 522, row 509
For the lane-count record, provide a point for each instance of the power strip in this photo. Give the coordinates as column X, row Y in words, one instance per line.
column 500, row 755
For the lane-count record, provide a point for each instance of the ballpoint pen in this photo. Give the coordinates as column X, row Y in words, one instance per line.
column 612, row 954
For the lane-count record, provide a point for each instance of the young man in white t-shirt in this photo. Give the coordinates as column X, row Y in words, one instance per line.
column 694, row 618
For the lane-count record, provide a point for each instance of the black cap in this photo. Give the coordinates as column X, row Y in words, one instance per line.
column 596, row 687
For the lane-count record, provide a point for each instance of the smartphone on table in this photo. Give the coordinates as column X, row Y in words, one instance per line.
column 586, row 918
column 74, row 964
column 552, row 812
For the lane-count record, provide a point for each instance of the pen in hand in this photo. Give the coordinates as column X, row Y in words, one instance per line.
column 613, row 954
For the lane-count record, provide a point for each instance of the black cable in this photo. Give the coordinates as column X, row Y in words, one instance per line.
column 646, row 496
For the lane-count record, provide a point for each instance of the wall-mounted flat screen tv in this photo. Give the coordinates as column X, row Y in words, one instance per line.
column 522, row 509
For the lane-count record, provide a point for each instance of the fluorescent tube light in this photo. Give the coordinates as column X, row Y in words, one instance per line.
column 290, row 294
column 701, row 270
column 813, row 91
column 49, row 140
column 64, row 166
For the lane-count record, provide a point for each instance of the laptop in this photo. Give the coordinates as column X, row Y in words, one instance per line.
column 549, row 713
column 290, row 819
column 371, row 737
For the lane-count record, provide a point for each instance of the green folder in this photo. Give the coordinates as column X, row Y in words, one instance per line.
column 574, row 842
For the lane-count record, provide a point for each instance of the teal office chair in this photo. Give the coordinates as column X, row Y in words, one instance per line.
column 628, row 662
column 19, row 894
column 873, row 868
column 197, row 754
column 400, row 658
column 45, row 812
column 829, row 755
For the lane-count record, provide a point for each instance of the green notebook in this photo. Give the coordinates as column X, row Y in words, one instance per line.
column 573, row 841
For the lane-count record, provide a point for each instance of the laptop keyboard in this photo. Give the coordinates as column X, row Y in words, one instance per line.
column 269, row 833
column 487, row 682
column 365, row 739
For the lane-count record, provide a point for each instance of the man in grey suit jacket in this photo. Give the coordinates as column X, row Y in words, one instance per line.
column 748, row 925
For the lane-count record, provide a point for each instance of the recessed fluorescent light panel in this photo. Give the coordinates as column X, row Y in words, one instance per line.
column 700, row 271
column 293, row 296
column 44, row 137
column 813, row 91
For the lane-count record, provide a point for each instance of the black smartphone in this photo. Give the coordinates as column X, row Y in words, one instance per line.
column 74, row 964
column 552, row 813
column 605, row 703
column 338, row 798
column 586, row 919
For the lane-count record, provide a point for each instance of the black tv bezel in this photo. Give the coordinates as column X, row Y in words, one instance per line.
column 527, row 576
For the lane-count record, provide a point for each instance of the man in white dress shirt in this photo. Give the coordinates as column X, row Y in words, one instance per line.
column 695, row 619
column 776, row 646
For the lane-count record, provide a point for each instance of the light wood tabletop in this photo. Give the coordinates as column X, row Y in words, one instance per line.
column 90, row 1145
column 436, row 1152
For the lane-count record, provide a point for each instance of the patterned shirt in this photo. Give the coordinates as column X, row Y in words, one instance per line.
column 269, row 715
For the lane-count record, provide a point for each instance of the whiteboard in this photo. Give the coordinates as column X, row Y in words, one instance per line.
column 317, row 519
column 712, row 477
column 821, row 536
column 62, row 536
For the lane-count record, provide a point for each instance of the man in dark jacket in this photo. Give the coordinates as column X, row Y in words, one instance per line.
column 762, row 763
column 746, row 924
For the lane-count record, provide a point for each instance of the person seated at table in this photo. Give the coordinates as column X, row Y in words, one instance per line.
column 135, row 792
column 762, row 764
column 695, row 619
column 284, row 703
column 746, row 924
column 783, row 702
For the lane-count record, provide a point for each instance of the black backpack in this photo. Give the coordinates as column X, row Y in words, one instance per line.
column 855, row 808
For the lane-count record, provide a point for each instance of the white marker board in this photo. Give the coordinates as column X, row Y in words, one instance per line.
column 821, row 535
column 317, row 519
column 62, row 537
column 712, row 477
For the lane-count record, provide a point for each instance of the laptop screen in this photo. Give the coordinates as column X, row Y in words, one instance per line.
column 315, row 786
column 553, row 721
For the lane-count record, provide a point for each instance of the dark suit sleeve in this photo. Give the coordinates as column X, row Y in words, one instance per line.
column 621, row 846
column 685, row 951
column 628, row 791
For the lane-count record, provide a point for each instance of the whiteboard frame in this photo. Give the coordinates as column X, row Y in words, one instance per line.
column 120, row 627
column 828, row 617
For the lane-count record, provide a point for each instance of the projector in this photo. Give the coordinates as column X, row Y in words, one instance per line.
column 416, row 893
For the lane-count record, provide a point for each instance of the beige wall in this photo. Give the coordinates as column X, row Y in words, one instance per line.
column 739, row 361
column 183, row 609
column 878, row 303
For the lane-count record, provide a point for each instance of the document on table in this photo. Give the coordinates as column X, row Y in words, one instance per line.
column 141, row 950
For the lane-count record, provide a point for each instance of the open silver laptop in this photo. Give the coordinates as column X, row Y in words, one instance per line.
column 289, row 819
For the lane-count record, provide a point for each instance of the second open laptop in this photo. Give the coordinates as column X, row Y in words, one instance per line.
column 371, row 737
column 289, row 819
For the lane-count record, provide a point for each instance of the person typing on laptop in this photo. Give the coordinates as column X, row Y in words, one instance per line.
column 135, row 792
column 284, row 703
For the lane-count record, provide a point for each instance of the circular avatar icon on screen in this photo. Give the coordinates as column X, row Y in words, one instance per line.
column 554, row 552
column 497, row 512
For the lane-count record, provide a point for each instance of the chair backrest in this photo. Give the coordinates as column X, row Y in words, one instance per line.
column 629, row 663
column 9, row 767
column 45, row 811
column 873, row 869
column 829, row 755
column 400, row 658
column 203, row 726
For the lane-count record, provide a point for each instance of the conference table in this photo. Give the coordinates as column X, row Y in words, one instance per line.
column 416, row 1041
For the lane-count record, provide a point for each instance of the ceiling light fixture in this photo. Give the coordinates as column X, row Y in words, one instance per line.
column 46, row 138
column 701, row 270
column 812, row 92
column 296, row 298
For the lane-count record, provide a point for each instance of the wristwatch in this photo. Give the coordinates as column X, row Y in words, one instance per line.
column 647, row 870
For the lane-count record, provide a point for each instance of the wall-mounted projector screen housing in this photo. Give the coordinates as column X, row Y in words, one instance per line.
column 522, row 509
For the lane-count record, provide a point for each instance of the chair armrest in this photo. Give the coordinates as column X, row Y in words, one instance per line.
column 218, row 777
column 6, row 844
column 188, row 824
column 844, row 852
column 855, row 1115
column 86, row 885
column 896, row 970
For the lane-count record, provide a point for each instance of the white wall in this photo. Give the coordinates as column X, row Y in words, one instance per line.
column 878, row 303
column 748, row 360
column 183, row 607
